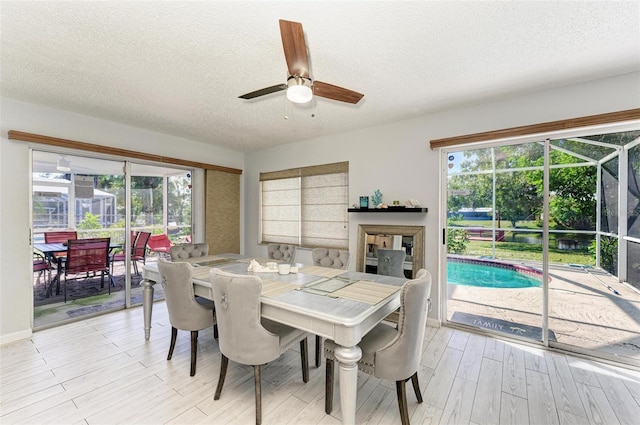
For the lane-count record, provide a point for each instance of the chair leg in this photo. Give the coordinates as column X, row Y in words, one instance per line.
column 304, row 357
column 215, row 324
column 224, row 362
column 416, row 387
column 402, row 402
column 318, row 350
column 328, row 386
column 258, row 382
column 194, row 351
column 174, row 336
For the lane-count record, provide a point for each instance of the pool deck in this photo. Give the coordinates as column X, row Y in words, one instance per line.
column 588, row 308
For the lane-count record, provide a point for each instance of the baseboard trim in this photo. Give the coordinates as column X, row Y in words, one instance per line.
column 15, row 336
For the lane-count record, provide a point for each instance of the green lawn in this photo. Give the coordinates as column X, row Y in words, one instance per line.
column 532, row 252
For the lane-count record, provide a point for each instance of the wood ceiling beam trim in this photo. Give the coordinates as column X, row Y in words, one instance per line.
column 72, row 144
column 608, row 118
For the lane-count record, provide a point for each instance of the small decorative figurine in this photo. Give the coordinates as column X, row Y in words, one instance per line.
column 376, row 199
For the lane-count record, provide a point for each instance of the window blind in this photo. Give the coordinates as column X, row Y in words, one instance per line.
column 306, row 206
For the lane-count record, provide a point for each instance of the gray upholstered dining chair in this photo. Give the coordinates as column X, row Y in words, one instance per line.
column 392, row 353
column 335, row 259
column 281, row 252
column 390, row 262
column 246, row 337
column 188, row 250
column 185, row 311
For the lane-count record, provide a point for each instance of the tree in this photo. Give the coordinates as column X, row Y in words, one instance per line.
column 517, row 198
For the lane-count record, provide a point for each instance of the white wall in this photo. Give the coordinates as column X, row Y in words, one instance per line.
column 16, row 279
column 396, row 157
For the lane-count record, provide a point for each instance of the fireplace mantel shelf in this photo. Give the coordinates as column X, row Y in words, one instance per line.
column 388, row 210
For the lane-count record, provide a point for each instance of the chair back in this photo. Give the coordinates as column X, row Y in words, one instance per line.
column 334, row 258
column 184, row 251
column 60, row 237
column 159, row 243
column 242, row 338
column 87, row 255
column 281, row 252
column 140, row 244
column 184, row 310
column 401, row 357
column 390, row 262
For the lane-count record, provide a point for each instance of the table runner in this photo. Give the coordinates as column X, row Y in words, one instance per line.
column 365, row 291
column 262, row 261
column 320, row 271
column 201, row 272
column 270, row 288
column 273, row 288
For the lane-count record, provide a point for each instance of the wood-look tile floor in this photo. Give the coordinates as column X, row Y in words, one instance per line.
column 102, row 371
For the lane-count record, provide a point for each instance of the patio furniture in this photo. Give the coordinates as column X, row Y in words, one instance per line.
column 41, row 266
column 60, row 237
column 84, row 256
column 245, row 337
column 138, row 251
column 185, row 312
column 484, row 234
column 392, row 353
column 391, row 262
column 281, row 252
column 185, row 251
column 159, row 243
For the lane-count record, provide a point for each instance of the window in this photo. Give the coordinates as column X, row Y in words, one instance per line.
column 306, row 206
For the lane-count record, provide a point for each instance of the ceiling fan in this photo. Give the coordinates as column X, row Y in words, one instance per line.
column 300, row 86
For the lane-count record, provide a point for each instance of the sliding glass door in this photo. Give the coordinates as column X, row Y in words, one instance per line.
column 495, row 244
column 542, row 241
column 93, row 197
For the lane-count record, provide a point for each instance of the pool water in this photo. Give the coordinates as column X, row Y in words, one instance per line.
column 486, row 276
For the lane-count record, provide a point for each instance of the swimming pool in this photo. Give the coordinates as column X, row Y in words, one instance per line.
column 491, row 274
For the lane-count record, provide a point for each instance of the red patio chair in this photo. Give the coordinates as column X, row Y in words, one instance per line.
column 138, row 251
column 159, row 243
column 62, row 237
column 41, row 266
column 84, row 256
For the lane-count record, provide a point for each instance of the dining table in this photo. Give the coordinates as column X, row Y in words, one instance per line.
column 335, row 304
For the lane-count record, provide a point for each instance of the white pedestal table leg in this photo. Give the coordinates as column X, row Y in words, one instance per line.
column 147, row 305
column 348, row 358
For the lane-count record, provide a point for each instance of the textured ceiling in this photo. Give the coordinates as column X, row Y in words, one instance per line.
column 179, row 67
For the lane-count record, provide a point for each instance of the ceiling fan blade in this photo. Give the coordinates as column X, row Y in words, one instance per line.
column 295, row 48
column 336, row 93
column 264, row 91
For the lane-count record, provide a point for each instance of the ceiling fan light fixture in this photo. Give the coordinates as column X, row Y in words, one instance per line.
column 299, row 89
